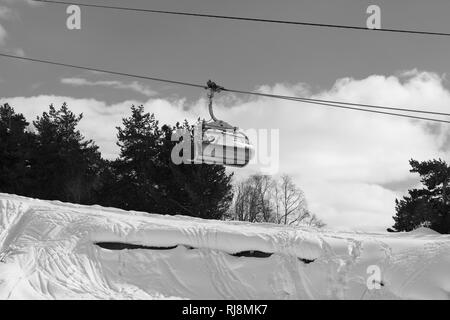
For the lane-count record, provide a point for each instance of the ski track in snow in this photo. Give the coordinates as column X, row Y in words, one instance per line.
column 48, row 251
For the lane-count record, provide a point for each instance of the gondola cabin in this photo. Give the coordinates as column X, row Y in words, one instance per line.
column 224, row 147
column 217, row 142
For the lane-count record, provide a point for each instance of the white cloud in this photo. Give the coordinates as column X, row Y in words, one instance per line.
column 351, row 205
column 3, row 35
column 29, row 2
column 33, row 3
column 20, row 52
column 135, row 86
column 5, row 12
column 341, row 159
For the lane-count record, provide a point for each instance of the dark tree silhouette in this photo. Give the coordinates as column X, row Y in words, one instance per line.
column 429, row 206
column 16, row 144
column 58, row 163
column 203, row 190
column 150, row 181
column 65, row 164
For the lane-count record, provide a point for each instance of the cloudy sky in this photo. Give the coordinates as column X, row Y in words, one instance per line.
column 350, row 165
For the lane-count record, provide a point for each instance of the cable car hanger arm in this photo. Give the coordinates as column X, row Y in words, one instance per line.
column 213, row 88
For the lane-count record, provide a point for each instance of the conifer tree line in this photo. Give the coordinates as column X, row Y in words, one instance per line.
column 54, row 161
column 428, row 206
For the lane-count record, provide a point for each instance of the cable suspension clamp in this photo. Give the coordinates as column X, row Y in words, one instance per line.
column 213, row 88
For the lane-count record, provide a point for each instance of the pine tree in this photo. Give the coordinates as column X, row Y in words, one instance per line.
column 204, row 190
column 140, row 143
column 429, row 206
column 151, row 182
column 108, row 191
column 16, row 144
column 66, row 165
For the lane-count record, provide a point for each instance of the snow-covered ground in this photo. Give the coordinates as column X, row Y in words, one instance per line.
column 50, row 250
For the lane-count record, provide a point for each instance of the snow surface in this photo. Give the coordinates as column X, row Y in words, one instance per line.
column 48, row 251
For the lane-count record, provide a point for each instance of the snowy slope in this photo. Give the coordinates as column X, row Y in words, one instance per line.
column 49, row 250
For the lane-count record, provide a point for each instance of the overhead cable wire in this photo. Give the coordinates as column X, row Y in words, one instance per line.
column 370, row 106
column 309, row 101
column 101, row 70
column 290, row 98
column 226, row 17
